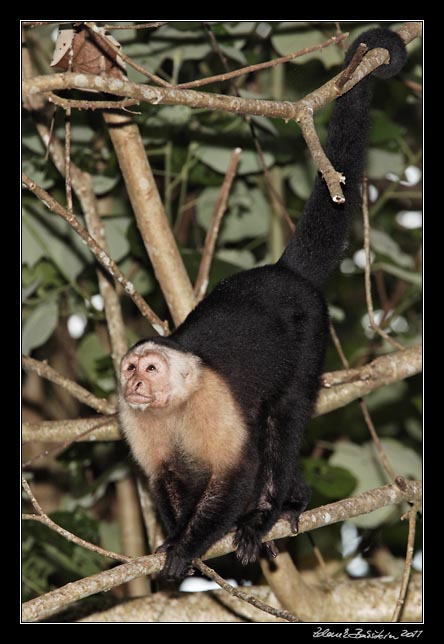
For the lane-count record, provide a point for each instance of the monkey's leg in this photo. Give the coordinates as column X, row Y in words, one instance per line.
column 281, row 486
column 215, row 513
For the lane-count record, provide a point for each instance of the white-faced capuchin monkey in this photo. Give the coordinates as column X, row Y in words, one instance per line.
column 215, row 413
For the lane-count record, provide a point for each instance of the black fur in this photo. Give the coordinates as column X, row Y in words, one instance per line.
column 265, row 332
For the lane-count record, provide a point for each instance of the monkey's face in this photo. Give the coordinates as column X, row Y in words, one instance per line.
column 145, row 380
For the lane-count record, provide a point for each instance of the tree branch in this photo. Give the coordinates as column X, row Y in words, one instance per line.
column 150, row 215
column 241, row 594
column 332, row 177
column 98, row 428
column 408, row 563
column 102, row 257
column 202, row 279
column 53, row 601
column 378, row 373
column 174, row 96
column 360, row 600
column 260, row 66
column 367, row 273
column 45, row 371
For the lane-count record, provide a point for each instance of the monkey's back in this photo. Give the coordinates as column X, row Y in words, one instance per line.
column 260, row 329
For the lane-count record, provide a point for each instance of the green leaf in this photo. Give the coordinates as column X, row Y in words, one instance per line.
column 248, row 213
column 243, row 258
column 381, row 162
column 292, row 38
column 362, row 461
column 265, row 123
column 49, row 236
column 384, row 129
column 386, row 245
column 116, row 232
column 89, row 354
column 177, row 115
column 103, row 184
column 38, row 173
column 331, row 481
column 218, row 159
column 408, row 276
column 301, row 179
column 39, row 326
column 235, row 54
column 141, row 278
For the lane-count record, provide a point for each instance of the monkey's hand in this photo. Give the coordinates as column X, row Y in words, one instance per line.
column 178, row 563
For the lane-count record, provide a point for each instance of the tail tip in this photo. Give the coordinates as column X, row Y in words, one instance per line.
column 386, row 39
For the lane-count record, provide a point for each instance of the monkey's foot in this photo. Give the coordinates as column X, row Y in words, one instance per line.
column 292, row 517
column 248, row 544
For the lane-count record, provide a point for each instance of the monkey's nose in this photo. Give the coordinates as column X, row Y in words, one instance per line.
column 138, row 385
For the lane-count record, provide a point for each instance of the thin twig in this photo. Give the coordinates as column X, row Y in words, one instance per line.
column 91, row 105
column 376, row 440
column 143, row 25
column 339, row 32
column 352, row 373
column 236, row 592
column 42, row 517
column 351, row 67
column 338, row 346
column 269, row 182
column 202, row 279
column 43, row 23
column 98, row 31
column 332, row 177
column 260, row 66
column 407, row 564
column 45, row 371
column 102, row 257
column 367, row 273
column 68, row 183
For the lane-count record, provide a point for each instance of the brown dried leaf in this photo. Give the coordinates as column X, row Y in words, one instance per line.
column 90, row 53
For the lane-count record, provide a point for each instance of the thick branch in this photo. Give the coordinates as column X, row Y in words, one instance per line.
column 150, row 215
column 45, row 371
column 102, row 257
column 382, row 371
column 99, row 428
column 361, row 600
column 172, row 96
column 53, row 601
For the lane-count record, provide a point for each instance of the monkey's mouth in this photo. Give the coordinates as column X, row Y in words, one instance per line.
column 138, row 399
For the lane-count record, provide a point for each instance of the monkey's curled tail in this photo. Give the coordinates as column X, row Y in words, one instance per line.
column 321, row 234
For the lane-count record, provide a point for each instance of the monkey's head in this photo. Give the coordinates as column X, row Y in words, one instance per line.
column 153, row 376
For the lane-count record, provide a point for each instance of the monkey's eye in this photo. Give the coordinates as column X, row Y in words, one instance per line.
column 131, row 367
column 151, row 368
